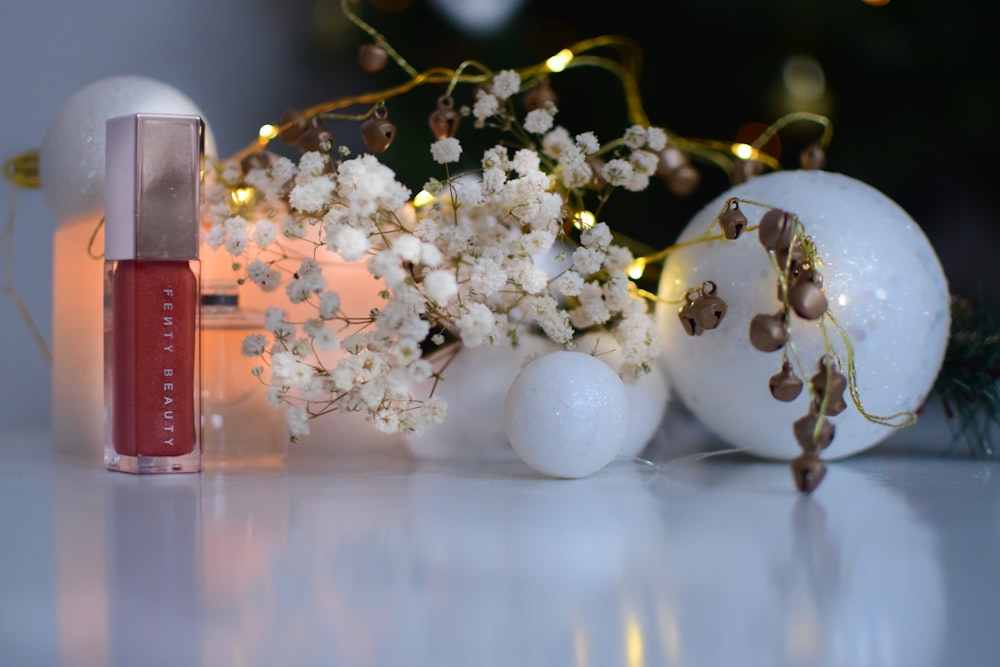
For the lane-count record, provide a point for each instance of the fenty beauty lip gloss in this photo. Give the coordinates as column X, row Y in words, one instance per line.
column 152, row 391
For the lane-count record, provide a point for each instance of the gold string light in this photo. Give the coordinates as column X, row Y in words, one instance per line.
column 21, row 171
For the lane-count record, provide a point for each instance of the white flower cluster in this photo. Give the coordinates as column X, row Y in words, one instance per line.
column 492, row 253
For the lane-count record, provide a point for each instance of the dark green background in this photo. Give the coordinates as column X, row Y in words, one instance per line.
column 913, row 86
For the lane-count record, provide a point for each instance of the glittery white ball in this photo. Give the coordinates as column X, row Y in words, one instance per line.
column 566, row 414
column 885, row 287
column 71, row 158
column 474, row 385
column 648, row 395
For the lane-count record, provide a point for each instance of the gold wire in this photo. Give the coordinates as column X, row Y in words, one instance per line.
column 795, row 117
column 896, row 420
column 22, row 170
column 93, row 239
column 7, row 243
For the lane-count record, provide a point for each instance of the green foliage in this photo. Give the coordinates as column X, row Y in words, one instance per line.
column 967, row 383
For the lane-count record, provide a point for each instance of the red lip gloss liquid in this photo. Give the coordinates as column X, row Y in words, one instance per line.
column 152, row 393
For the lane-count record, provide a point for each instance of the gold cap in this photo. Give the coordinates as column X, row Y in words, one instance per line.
column 151, row 186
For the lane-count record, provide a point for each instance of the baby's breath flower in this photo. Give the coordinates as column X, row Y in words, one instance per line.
column 526, row 162
column 440, row 286
column 588, row 143
column 329, row 303
column 477, row 324
column 486, row 105
column 539, row 121
column 506, row 84
column 254, row 345
column 635, row 137
column 596, row 236
column 264, row 233
column 297, row 420
column 588, row 260
column 446, row 150
column 644, row 162
column 273, row 318
column 617, row 172
column 656, row 139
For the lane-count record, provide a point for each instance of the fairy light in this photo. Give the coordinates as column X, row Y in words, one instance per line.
column 559, row 61
column 423, row 198
column 241, row 196
column 637, row 269
column 268, row 132
column 584, row 220
column 743, row 151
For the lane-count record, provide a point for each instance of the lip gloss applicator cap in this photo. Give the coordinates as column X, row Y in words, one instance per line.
column 153, row 173
column 152, row 375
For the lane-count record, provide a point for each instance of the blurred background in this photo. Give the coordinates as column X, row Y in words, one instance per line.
column 910, row 86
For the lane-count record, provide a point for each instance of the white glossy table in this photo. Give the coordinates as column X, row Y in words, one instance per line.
column 365, row 559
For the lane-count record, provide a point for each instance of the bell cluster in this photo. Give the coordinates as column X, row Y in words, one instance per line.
column 800, row 294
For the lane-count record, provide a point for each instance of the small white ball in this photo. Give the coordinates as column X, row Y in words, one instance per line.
column 648, row 395
column 474, row 385
column 71, row 158
column 884, row 284
column 566, row 414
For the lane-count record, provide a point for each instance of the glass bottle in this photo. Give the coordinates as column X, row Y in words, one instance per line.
column 239, row 428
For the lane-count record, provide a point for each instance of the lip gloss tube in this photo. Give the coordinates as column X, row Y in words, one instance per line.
column 152, row 392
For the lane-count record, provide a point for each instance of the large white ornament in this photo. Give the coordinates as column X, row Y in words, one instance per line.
column 885, row 287
column 71, row 158
column 566, row 414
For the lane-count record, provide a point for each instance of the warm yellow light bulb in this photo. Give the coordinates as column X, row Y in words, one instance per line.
column 637, row 268
column 268, row 132
column 584, row 220
column 241, row 196
column 559, row 61
column 423, row 198
column 744, row 151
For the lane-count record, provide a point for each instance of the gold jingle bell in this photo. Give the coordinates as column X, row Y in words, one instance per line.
column 807, row 299
column 808, row 438
column 785, row 385
column 808, row 471
column 702, row 310
column 316, row 138
column 372, row 57
column 258, row 160
column 768, row 332
column 797, row 271
column 377, row 132
column 539, row 96
column 444, row 120
column 732, row 220
column 293, row 124
column 676, row 170
column 775, row 229
column 812, row 157
column 829, row 384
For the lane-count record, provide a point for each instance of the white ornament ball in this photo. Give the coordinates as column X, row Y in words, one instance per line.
column 885, row 287
column 474, row 385
column 71, row 158
column 566, row 414
column 648, row 395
